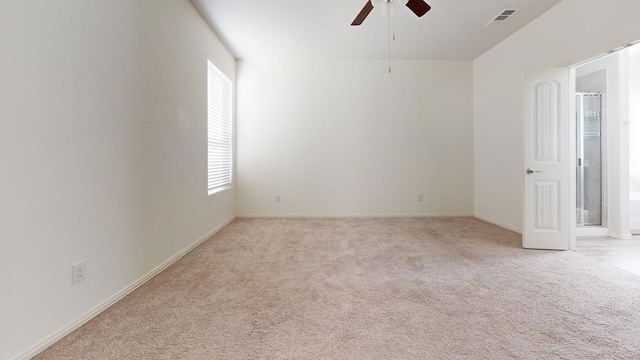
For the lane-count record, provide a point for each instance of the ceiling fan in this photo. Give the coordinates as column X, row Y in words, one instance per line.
column 419, row 7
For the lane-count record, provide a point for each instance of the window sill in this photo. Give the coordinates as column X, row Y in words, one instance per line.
column 220, row 189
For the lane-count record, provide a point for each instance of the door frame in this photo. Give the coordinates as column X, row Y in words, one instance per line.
column 572, row 158
column 618, row 143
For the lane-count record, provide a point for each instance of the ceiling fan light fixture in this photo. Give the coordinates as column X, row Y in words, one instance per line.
column 377, row 3
column 385, row 9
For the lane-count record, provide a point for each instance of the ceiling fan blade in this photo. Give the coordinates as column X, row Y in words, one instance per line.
column 363, row 14
column 419, row 7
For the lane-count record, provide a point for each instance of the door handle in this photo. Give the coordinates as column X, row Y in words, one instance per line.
column 531, row 171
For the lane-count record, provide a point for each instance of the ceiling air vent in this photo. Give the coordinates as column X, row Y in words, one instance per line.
column 500, row 19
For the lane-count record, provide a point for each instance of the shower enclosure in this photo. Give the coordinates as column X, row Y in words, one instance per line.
column 589, row 174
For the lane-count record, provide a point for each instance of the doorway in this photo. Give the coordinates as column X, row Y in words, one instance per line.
column 607, row 145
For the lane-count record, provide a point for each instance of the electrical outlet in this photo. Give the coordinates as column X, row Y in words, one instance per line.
column 278, row 198
column 78, row 271
column 420, row 198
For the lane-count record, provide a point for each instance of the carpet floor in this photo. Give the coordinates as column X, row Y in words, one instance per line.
column 408, row 288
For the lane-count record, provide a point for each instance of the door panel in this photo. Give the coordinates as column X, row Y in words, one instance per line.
column 546, row 163
column 546, row 121
column 547, row 216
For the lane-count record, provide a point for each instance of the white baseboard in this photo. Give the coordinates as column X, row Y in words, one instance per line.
column 497, row 223
column 347, row 216
column 592, row 231
column 117, row 297
column 621, row 236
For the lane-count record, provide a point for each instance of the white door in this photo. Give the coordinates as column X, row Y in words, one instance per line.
column 546, row 171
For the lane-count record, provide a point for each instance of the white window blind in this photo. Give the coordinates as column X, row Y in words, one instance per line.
column 219, row 129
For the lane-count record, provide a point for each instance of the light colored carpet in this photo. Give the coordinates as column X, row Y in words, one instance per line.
column 423, row 288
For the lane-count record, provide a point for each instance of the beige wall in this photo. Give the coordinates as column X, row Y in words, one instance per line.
column 102, row 153
column 348, row 139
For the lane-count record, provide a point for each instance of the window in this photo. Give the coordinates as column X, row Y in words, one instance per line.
column 219, row 154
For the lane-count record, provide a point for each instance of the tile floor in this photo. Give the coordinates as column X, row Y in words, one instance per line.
column 624, row 254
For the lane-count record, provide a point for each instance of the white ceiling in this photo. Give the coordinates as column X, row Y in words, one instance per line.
column 452, row 30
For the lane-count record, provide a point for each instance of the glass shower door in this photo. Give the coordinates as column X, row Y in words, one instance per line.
column 589, row 159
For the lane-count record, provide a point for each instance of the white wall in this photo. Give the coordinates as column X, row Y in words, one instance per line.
column 102, row 152
column 348, row 139
column 572, row 31
column 634, row 137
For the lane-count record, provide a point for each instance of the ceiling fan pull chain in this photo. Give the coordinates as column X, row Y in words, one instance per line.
column 389, row 35
column 393, row 19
